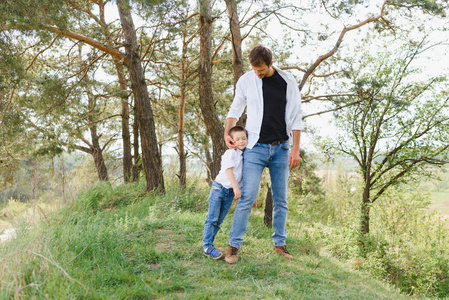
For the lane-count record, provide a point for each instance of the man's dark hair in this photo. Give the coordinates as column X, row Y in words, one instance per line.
column 260, row 55
column 237, row 128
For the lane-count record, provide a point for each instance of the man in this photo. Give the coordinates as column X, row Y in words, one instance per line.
column 274, row 116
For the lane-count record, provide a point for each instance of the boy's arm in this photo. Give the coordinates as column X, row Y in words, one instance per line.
column 235, row 186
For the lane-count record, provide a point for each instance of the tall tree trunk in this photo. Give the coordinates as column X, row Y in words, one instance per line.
column 364, row 219
column 182, row 104
column 126, row 136
column 236, row 40
column 94, row 146
column 151, row 157
column 181, row 152
column 97, row 154
column 364, row 213
column 268, row 217
column 237, row 57
column 95, row 149
column 137, row 166
column 213, row 125
column 209, row 163
column 63, row 177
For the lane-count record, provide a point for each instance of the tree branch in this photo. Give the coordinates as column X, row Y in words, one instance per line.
column 42, row 51
column 331, row 110
column 338, row 43
column 87, row 40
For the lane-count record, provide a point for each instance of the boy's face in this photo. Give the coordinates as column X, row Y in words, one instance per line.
column 240, row 139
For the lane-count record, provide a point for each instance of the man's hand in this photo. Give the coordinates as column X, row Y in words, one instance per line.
column 293, row 159
column 230, row 122
column 230, row 142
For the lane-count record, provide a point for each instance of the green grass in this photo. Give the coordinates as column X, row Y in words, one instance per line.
column 123, row 244
column 440, row 202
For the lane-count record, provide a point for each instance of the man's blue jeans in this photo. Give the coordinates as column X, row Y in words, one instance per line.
column 220, row 200
column 254, row 162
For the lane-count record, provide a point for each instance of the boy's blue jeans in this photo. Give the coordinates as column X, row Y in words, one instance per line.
column 254, row 162
column 220, row 200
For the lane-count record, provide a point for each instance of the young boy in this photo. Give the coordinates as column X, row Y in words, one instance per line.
column 225, row 188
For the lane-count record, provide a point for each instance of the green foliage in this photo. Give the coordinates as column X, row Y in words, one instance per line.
column 407, row 245
column 10, row 64
column 30, row 15
column 303, row 179
column 396, row 126
column 428, row 6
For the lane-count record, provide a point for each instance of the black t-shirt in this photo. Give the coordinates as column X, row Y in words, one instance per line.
column 274, row 100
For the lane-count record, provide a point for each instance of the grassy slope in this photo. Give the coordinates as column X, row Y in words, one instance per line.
column 139, row 247
column 440, row 202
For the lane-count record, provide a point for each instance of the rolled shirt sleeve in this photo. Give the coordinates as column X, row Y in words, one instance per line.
column 293, row 110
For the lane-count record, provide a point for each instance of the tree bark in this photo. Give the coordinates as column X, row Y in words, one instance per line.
column 97, row 154
column 364, row 219
column 213, row 125
column 182, row 105
column 151, row 157
column 234, row 25
column 364, row 213
column 126, row 136
column 268, row 217
column 95, row 149
column 181, row 152
column 236, row 40
column 94, row 145
column 209, row 163
column 137, row 166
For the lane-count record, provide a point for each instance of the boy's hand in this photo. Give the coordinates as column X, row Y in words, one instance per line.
column 230, row 142
column 237, row 194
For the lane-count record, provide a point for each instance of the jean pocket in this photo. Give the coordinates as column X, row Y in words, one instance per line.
column 216, row 187
column 285, row 146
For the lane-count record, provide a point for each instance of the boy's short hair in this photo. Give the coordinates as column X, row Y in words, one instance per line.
column 237, row 128
column 260, row 55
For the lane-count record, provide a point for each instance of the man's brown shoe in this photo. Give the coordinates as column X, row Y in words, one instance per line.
column 282, row 250
column 232, row 255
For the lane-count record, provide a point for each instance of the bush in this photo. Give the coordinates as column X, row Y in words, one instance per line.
column 407, row 245
column 193, row 197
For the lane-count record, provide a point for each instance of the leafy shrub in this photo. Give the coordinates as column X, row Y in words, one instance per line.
column 104, row 196
column 193, row 197
column 407, row 245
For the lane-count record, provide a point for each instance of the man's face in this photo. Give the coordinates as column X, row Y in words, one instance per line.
column 240, row 139
column 262, row 70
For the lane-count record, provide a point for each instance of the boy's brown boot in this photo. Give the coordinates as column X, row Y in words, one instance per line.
column 282, row 250
column 232, row 255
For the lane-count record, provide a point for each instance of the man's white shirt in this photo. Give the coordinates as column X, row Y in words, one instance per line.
column 249, row 94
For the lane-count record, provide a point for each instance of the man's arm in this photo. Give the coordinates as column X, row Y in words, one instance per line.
column 293, row 159
column 230, row 122
column 235, row 186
